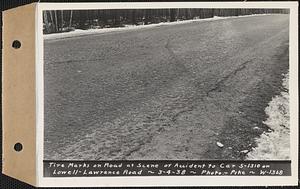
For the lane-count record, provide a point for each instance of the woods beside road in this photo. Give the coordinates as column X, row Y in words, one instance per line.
column 57, row 21
column 169, row 92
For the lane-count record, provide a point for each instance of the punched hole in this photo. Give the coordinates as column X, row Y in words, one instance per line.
column 18, row 147
column 16, row 44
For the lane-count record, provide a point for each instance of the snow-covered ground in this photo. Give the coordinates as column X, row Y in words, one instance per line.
column 79, row 32
column 275, row 145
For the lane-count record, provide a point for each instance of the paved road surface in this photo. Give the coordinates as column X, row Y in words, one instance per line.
column 168, row 92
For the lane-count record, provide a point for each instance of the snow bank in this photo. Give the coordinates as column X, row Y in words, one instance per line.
column 275, row 145
column 79, row 32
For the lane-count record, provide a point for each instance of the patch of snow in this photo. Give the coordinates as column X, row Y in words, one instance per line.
column 220, row 144
column 245, row 151
column 275, row 145
column 79, row 32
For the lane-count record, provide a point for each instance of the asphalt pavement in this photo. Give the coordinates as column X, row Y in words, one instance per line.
column 167, row 92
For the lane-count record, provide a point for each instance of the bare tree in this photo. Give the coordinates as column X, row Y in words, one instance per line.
column 62, row 20
column 172, row 15
column 71, row 17
column 56, row 25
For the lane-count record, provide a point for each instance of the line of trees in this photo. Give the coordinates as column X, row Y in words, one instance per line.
column 68, row 20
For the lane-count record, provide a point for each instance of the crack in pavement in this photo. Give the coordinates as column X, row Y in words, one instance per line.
column 182, row 111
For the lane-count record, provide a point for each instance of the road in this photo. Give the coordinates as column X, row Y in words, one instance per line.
column 167, row 92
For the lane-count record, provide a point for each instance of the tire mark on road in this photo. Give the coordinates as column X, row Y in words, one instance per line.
column 221, row 82
column 178, row 60
column 76, row 61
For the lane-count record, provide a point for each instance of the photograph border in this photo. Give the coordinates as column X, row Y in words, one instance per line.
column 169, row 180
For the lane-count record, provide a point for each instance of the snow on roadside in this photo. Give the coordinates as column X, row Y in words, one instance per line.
column 79, row 32
column 275, row 145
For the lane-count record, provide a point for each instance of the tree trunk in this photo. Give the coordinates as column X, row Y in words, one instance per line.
column 55, row 17
column 133, row 16
column 46, row 22
column 71, row 17
column 172, row 15
column 62, row 20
